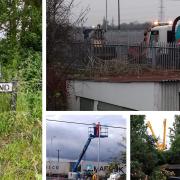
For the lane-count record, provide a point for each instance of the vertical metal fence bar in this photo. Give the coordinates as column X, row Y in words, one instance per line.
column 163, row 56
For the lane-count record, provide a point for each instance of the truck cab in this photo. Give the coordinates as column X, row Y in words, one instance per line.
column 163, row 32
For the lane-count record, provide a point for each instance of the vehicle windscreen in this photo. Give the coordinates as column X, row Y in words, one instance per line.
column 154, row 37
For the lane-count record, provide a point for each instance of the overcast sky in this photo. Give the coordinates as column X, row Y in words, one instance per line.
column 70, row 138
column 157, row 119
column 131, row 10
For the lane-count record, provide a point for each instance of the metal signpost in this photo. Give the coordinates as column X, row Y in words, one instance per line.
column 0, row 71
column 10, row 87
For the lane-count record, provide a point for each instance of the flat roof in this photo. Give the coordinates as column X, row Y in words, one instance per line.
column 167, row 27
column 158, row 76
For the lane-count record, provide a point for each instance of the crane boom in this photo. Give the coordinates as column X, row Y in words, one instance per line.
column 82, row 153
column 152, row 131
column 160, row 146
column 164, row 135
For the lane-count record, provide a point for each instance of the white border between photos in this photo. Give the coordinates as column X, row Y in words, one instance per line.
column 44, row 89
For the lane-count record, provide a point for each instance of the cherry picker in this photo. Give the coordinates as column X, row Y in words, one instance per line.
column 97, row 131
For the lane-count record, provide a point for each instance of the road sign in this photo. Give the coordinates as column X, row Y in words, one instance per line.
column 6, row 87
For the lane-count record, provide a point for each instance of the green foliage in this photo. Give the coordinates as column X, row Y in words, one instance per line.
column 176, row 144
column 175, row 141
column 142, row 146
column 175, row 131
column 136, row 170
column 160, row 174
column 20, row 58
column 20, row 145
column 145, row 158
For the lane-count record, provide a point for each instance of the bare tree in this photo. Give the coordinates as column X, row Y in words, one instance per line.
column 60, row 29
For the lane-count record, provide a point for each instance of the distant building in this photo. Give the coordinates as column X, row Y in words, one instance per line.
column 64, row 166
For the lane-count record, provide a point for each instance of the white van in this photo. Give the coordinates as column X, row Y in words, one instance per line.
column 161, row 34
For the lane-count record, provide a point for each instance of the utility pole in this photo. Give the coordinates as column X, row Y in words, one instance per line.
column 106, row 14
column 161, row 13
column 118, row 14
column 98, row 149
column 51, row 161
column 58, row 154
column 52, row 137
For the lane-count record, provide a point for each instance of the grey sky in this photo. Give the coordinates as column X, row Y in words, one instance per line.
column 131, row 10
column 70, row 138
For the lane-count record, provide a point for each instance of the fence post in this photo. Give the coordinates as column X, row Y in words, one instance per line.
column 14, row 96
column 153, row 56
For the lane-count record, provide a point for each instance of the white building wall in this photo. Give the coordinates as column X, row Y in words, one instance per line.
column 144, row 96
column 134, row 95
column 157, row 97
column 54, row 167
column 64, row 166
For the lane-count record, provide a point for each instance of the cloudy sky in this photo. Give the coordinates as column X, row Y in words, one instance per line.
column 131, row 10
column 71, row 138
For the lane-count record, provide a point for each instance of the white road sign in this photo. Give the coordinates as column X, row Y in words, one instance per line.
column 6, row 87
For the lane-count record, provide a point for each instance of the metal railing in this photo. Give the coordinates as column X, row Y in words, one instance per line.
column 165, row 56
column 103, row 131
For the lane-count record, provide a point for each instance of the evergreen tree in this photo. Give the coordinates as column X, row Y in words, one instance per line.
column 145, row 158
column 175, row 141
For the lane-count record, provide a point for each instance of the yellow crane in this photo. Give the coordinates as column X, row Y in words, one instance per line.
column 160, row 146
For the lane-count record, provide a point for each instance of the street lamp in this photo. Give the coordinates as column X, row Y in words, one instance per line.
column 58, row 150
column 52, row 137
column 52, row 152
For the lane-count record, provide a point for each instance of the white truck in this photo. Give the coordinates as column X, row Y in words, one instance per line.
column 164, row 32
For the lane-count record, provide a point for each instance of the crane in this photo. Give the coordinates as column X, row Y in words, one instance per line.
column 160, row 146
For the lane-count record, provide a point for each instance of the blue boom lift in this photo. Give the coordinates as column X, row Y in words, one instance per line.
column 94, row 132
column 82, row 153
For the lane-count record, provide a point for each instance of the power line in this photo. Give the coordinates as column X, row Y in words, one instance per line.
column 86, row 124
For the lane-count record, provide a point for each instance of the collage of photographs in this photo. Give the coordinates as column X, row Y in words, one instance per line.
column 89, row 90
